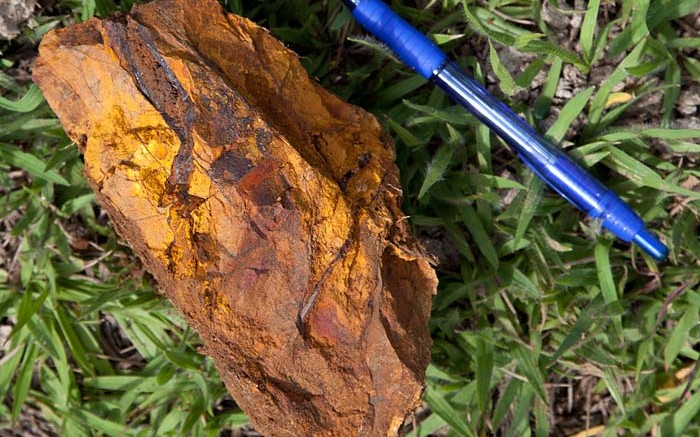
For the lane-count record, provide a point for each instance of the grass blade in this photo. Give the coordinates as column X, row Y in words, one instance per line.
column 634, row 32
column 440, row 406
column 604, row 270
column 28, row 307
column 459, row 117
column 30, row 163
column 611, row 383
column 533, row 197
column 24, row 379
column 484, row 370
column 29, row 101
column 640, row 173
column 528, row 365
column 541, row 419
column 506, row 400
column 568, row 114
column 405, row 135
column 588, row 29
column 437, row 168
column 583, row 323
column 544, row 100
column 98, row 423
column 672, row 79
column 680, row 334
column 505, row 80
column 679, row 421
column 427, row 427
column 522, row 282
column 521, row 415
column 597, row 107
column 10, row 362
column 481, row 238
column 608, row 288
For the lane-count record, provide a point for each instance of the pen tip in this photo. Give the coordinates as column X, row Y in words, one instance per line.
column 651, row 245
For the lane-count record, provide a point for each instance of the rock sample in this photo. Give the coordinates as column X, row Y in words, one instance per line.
column 266, row 208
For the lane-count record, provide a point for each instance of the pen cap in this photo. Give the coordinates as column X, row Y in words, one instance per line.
column 414, row 48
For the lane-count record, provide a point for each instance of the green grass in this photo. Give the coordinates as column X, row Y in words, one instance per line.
column 538, row 305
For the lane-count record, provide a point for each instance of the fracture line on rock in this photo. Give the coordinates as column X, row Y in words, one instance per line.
column 317, row 288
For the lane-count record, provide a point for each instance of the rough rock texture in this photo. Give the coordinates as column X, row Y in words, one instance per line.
column 12, row 14
column 266, row 208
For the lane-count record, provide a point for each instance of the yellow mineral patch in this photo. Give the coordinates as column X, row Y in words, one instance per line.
column 200, row 183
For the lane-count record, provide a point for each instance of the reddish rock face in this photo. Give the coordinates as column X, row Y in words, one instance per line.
column 266, row 208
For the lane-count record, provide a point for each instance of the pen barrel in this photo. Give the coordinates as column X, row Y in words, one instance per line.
column 548, row 161
column 495, row 114
column 411, row 46
column 574, row 184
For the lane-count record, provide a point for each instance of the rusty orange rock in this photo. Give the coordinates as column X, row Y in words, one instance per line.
column 266, row 208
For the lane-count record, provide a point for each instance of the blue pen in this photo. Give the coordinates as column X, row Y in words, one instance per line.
column 549, row 162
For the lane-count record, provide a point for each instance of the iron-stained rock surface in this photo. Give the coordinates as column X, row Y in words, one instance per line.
column 266, row 208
